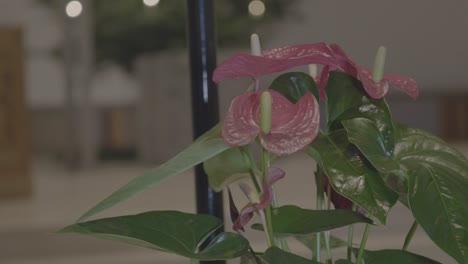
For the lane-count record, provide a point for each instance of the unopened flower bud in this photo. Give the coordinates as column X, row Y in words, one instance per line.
column 265, row 112
column 379, row 64
column 255, row 47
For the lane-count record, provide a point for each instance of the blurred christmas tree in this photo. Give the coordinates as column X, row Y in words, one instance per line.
column 125, row 29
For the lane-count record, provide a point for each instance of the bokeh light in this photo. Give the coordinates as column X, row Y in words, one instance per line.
column 74, row 8
column 256, row 8
column 151, row 3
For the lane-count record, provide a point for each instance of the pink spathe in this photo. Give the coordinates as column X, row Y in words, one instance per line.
column 331, row 56
column 293, row 126
column 274, row 175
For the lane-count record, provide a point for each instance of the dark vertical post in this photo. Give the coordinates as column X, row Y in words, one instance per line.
column 202, row 45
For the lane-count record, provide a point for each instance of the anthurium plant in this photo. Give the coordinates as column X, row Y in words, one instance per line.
column 366, row 163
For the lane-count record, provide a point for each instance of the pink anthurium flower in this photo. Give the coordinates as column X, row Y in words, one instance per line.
column 293, row 126
column 273, row 60
column 246, row 214
column 375, row 90
column 331, row 56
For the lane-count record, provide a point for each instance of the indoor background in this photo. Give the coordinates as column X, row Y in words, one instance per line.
column 93, row 93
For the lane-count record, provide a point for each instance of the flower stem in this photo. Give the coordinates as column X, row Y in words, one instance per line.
column 255, row 182
column 282, row 241
column 269, row 235
column 410, row 235
column 326, row 236
column 363, row 244
column 350, row 238
column 247, row 155
column 319, row 185
column 268, row 213
column 327, row 233
column 350, row 242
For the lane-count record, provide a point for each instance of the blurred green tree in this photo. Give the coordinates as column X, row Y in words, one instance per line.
column 125, row 29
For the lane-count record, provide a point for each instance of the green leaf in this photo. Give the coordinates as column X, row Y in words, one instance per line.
column 351, row 175
column 275, row 255
column 370, row 141
column 225, row 168
column 207, row 146
column 170, row 231
column 437, row 181
column 294, row 85
column 407, row 137
column 392, row 256
column 293, row 220
column 343, row 261
column 343, row 94
column 310, row 241
column 346, row 99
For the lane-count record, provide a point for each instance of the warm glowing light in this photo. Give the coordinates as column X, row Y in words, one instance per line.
column 151, row 2
column 256, row 8
column 74, row 8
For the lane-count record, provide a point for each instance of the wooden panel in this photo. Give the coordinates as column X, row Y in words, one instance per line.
column 454, row 117
column 14, row 123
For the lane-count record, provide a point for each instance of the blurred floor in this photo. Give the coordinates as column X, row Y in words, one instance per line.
column 60, row 196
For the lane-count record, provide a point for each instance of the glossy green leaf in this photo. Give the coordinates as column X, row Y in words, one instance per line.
column 294, row 85
column 410, row 139
column 275, row 255
column 392, row 256
column 208, row 145
column 293, row 220
column 225, row 168
column 437, row 179
column 347, row 100
column 170, row 231
column 310, row 241
column 370, row 141
column 398, row 182
column 351, row 175
column 343, row 94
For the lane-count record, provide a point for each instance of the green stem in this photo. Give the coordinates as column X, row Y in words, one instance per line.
column 326, row 236
column 247, row 154
column 350, row 242
column 269, row 224
column 327, row 233
column 193, row 261
column 363, row 244
column 319, row 185
column 410, row 235
column 282, row 241
column 268, row 213
column 274, row 203
column 350, row 238
column 269, row 234
column 255, row 182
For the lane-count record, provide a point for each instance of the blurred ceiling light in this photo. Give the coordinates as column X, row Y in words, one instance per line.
column 256, row 8
column 151, row 2
column 74, row 8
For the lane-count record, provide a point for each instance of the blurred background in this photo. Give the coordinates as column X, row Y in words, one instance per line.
column 95, row 92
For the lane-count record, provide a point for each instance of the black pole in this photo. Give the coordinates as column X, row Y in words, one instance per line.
column 202, row 45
